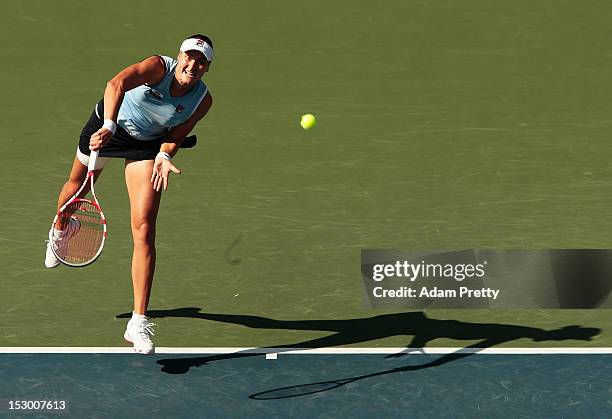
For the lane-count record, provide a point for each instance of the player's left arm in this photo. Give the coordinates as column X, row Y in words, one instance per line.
column 162, row 166
column 177, row 134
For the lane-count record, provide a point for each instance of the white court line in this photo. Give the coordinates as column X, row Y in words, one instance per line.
column 300, row 351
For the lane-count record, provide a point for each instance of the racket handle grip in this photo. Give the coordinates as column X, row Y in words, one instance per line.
column 93, row 156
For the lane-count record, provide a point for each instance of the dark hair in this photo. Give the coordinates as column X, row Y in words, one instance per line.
column 203, row 38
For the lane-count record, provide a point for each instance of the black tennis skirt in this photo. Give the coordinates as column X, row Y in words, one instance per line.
column 122, row 144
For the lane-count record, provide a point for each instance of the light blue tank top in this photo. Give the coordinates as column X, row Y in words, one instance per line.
column 147, row 112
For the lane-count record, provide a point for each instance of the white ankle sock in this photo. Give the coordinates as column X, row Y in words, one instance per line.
column 138, row 316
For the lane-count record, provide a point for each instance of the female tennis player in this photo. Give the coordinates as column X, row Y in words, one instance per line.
column 147, row 110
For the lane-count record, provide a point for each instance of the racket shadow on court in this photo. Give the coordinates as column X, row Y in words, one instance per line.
column 565, row 333
column 354, row 331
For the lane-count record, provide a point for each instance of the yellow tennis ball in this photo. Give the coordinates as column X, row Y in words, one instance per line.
column 308, row 121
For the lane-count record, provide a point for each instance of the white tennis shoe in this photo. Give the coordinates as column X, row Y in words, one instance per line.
column 138, row 333
column 55, row 243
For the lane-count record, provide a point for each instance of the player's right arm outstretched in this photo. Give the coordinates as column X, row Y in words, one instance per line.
column 148, row 71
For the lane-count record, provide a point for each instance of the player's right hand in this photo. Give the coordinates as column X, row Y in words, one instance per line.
column 99, row 138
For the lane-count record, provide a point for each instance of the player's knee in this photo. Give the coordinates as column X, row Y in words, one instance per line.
column 73, row 185
column 143, row 231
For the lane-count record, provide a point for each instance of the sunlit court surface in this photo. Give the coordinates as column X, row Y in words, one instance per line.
column 461, row 129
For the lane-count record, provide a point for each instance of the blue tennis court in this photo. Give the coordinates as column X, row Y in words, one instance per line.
column 249, row 385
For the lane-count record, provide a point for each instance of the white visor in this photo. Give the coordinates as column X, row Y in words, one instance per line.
column 198, row 45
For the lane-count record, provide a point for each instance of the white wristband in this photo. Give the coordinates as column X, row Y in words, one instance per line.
column 110, row 125
column 162, row 155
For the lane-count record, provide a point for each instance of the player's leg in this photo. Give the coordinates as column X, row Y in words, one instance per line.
column 77, row 176
column 74, row 182
column 61, row 229
column 144, row 205
column 81, row 160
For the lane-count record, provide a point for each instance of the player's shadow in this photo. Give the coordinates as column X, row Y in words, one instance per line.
column 353, row 331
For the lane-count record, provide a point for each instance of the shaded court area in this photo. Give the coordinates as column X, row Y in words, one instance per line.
column 312, row 385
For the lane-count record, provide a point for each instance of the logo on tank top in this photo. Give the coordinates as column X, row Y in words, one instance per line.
column 180, row 108
column 154, row 94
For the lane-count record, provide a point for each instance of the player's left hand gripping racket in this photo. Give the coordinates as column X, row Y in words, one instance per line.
column 83, row 225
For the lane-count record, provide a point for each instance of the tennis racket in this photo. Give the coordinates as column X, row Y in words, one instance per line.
column 83, row 224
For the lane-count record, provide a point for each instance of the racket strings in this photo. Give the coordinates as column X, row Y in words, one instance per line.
column 83, row 226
